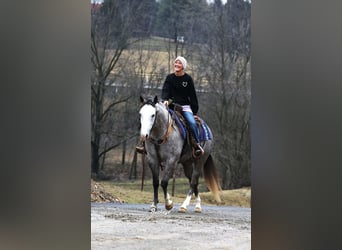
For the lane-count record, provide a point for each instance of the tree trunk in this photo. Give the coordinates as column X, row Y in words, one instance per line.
column 123, row 153
column 133, row 171
column 95, row 159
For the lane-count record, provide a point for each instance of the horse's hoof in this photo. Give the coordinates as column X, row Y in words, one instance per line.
column 153, row 209
column 198, row 210
column 169, row 207
column 182, row 210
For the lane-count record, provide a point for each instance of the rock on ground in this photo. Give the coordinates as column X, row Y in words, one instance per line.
column 98, row 194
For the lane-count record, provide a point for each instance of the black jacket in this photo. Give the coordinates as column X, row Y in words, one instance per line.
column 181, row 90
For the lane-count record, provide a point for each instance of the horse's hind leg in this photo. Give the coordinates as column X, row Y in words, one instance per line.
column 184, row 207
column 195, row 173
column 187, row 166
column 194, row 186
column 198, row 208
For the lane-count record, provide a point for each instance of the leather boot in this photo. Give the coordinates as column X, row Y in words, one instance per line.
column 199, row 150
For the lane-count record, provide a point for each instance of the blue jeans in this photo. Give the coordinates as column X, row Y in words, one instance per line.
column 189, row 117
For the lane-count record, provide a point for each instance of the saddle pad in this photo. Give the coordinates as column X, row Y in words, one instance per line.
column 179, row 123
column 204, row 131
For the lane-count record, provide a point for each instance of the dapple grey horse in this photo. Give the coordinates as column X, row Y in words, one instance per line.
column 166, row 147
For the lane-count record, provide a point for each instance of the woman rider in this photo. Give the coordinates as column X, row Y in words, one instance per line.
column 179, row 89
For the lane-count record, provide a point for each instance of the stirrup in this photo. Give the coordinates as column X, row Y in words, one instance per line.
column 140, row 149
column 198, row 151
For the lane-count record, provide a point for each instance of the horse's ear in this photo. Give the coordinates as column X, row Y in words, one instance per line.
column 155, row 99
column 141, row 99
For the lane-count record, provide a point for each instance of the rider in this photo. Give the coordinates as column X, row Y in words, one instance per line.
column 179, row 89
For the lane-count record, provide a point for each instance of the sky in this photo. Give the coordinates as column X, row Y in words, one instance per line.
column 100, row 1
column 209, row 1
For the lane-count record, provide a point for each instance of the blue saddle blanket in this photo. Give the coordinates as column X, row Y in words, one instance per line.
column 204, row 131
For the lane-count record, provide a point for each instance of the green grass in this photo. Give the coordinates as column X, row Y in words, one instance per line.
column 129, row 192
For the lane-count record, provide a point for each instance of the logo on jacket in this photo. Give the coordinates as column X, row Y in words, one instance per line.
column 185, row 84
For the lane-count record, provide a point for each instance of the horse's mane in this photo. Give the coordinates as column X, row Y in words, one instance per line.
column 148, row 101
column 151, row 101
column 162, row 105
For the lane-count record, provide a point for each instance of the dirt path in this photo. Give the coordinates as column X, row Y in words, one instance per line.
column 127, row 226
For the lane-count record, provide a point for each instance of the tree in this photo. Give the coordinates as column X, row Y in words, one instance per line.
column 171, row 18
column 225, row 64
column 114, row 26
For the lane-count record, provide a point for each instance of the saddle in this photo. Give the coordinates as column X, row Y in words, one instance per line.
column 203, row 129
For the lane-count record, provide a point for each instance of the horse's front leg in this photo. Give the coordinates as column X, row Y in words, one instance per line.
column 168, row 201
column 164, row 183
column 155, row 173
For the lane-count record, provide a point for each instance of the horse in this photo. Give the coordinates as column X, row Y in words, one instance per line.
column 166, row 147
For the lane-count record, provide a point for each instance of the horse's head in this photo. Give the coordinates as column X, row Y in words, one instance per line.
column 147, row 116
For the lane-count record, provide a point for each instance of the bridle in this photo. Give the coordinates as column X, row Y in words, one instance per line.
column 167, row 133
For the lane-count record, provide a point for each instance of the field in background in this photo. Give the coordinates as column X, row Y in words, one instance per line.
column 156, row 55
column 155, row 43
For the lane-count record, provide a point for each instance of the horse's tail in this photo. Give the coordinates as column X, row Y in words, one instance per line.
column 211, row 178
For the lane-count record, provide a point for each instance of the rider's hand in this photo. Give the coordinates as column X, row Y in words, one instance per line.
column 166, row 103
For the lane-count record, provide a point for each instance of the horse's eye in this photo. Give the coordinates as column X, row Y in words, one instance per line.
column 153, row 116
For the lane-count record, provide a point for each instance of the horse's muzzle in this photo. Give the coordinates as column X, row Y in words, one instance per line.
column 143, row 138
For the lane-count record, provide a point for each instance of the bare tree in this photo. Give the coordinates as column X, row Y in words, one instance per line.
column 114, row 25
column 225, row 67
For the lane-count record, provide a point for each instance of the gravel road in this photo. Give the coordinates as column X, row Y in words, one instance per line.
column 129, row 226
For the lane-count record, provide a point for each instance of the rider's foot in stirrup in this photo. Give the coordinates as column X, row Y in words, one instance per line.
column 198, row 150
column 140, row 148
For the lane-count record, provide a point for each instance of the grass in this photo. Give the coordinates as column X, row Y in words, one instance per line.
column 129, row 192
column 157, row 43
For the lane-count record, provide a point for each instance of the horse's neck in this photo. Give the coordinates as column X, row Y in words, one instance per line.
column 162, row 121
